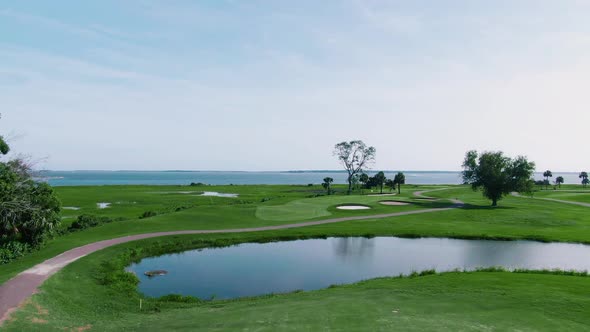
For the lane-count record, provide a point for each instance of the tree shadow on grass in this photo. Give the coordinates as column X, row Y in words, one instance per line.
column 431, row 204
column 468, row 206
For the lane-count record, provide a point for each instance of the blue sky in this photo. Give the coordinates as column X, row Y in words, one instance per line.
column 273, row 85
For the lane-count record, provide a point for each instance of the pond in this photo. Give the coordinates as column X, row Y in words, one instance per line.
column 252, row 269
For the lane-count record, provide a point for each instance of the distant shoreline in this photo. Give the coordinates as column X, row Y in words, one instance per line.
column 236, row 171
column 292, row 177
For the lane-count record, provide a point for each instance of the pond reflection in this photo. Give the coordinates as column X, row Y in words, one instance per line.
column 353, row 248
column 251, row 269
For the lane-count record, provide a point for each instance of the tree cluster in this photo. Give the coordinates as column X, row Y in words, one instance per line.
column 560, row 180
column 355, row 156
column 379, row 180
column 29, row 210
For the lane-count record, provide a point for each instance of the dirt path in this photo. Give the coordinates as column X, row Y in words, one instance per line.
column 554, row 200
column 22, row 286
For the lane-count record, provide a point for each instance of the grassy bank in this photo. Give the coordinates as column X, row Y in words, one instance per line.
column 105, row 299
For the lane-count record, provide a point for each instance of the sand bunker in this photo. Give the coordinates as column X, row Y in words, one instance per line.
column 391, row 194
column 394, row 203
column 353, row 207
column 176, row 192
column 71, row 208
column 103, row 205
column 216, row 194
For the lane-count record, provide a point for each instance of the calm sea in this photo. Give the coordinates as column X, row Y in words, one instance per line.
column 92, row 178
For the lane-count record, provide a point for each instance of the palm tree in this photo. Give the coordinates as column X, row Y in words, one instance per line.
column 584, row 177
column 559, row 181
column 328, row 184
column 380, row 180
column 399, row 179
column 547, row 174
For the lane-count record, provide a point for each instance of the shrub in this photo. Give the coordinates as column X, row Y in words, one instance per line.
column 240, row 201
column 178, row 298
column 12, row 250
column 148, row 214
column 88, row 220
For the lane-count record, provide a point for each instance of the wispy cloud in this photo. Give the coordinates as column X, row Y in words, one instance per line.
column 290, row 80
column 46, row 22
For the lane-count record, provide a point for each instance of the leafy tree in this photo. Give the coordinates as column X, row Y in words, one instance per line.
column 328, row 184
column 585, row 182
column 4, row 149
column 379, row 180
column 364, row 179
column 559, row 181
column 399, row 179
column 389, row 183
column 29, row 210
column 355, row 156
column 584, row 177
column 547, row 174
column 542, row 183
column 496, row 174
column 371, row 183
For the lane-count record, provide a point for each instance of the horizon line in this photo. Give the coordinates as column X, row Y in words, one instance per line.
column 268, row 171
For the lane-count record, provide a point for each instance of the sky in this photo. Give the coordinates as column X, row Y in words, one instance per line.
column 274, row 85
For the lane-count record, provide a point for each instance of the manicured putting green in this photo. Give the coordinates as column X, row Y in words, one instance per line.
column 310, row 208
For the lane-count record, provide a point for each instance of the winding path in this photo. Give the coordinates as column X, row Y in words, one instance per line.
column 16, row 290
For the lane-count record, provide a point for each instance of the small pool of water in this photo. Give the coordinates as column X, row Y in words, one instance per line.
column 252, row 269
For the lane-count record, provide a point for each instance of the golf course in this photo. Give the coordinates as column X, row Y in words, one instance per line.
column 96, row 291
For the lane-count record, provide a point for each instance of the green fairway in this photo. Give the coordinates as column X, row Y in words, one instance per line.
column 566, row 193
column 450, row 301
column 305, row 209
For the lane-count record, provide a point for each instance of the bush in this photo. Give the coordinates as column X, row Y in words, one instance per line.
column 148, row 214
column 87, row 220
column 197, row 184
column 179, row 298
column 240, row 201
column 12, row 250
